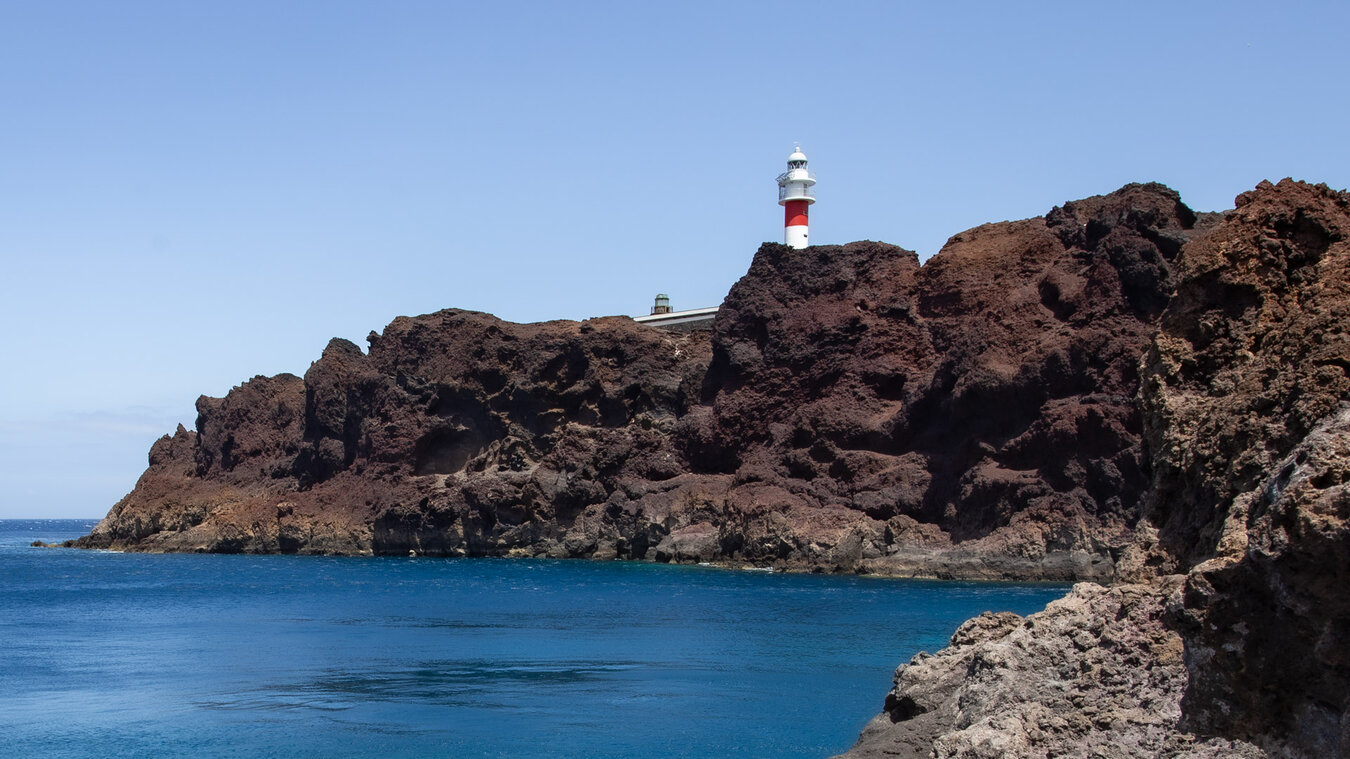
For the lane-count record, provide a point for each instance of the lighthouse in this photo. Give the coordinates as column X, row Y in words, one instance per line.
column 796, row 193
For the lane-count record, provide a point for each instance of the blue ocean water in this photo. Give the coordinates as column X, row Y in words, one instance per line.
column 130, row 655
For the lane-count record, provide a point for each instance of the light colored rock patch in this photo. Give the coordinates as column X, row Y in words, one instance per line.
column 1097, row 674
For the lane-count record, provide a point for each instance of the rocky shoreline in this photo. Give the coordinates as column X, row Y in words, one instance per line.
column 1228, row 636
column 850, row 411
column 1122, row 391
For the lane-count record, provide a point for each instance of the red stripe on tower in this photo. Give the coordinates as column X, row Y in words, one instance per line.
column 796, row 193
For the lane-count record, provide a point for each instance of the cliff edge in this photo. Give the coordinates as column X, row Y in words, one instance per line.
column 850, row 410
column 1120, row 391
column 1231, row 638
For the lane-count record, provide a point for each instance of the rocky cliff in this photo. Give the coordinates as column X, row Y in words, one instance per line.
column 850, row 410
column 1232, row 640
column 1119, row 391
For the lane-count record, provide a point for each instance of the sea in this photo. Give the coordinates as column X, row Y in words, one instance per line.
column 106, row 654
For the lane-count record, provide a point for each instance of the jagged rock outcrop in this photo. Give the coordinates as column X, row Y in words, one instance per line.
column 851, row 410
column 1242, row 556
column 457, row 434
column 1248, row 408
column 980, row 407
column 1122, row 390
column 1097, row 674
column 1252, row 357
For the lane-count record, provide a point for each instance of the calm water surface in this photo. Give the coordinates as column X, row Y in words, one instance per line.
column 120, row 655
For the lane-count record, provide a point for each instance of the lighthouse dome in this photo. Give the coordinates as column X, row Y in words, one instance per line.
column 797, row 155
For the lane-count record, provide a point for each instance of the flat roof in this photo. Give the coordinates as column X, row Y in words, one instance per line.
column 678, row 317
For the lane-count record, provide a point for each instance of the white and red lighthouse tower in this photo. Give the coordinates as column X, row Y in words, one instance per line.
column 796, row 193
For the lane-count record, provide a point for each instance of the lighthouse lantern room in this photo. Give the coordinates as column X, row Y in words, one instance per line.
column 796, row 192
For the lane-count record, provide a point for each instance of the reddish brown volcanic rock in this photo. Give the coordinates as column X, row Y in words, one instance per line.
column 1248, row 399
column 978, row 410
column 457, row 434
column 1246, row 392
column 851, row 410
column 984, row 415
column 1251, row 358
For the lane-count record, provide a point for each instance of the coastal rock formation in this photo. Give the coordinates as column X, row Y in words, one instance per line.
column 851, row 410
column 1242, row 555
column 1097, row 674
column 1248, row 402
column 457, row 434
column 978, row 409
column 1120, row 391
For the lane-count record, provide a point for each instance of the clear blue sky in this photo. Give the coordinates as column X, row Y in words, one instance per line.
column 194, row 193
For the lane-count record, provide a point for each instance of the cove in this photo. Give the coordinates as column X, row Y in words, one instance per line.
column 111, row 654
